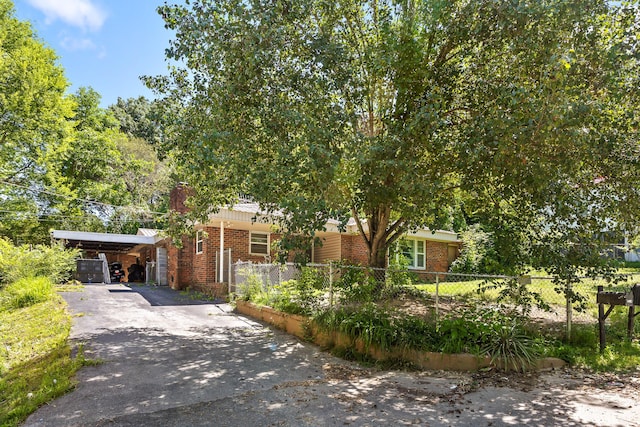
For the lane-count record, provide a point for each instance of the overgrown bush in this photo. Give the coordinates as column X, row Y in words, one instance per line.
column 398, row 279
column 26, row 292
column 301, row 296
column 296, row 296
column 252, row 287
column 356, row 285
column 379, row 326
column 19, row 262
column 489, row 331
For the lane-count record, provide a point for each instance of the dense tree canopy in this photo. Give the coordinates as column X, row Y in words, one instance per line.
column 64, row 163
column 397, row 112
column 136, row 118
column 34, row 122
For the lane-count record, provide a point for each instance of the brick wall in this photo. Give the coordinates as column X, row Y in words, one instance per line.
column 437, row 256
column 177, row 198
column 188, row 268
column 354, row 249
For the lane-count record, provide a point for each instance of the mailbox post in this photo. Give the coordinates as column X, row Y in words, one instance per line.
column 630, row 299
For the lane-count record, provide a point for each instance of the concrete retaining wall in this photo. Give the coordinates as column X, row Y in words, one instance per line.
column 303, row 328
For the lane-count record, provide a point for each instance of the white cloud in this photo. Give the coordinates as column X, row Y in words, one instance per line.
column 79, row 13
column 70, row 43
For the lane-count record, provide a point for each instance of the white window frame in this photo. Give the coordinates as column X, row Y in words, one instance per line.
column 415, row 265
column 251, row 242
column 199, row 242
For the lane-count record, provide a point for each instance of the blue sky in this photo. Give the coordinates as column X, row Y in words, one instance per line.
column 105, row 44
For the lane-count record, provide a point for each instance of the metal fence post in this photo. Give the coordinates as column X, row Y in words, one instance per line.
column 437, row 297
column 330, row 284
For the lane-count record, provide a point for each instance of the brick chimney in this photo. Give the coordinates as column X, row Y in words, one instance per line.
column 178, row 196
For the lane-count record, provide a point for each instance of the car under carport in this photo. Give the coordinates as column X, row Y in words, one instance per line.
column 125, row 248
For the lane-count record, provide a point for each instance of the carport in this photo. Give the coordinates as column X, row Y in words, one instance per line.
column 118, row 247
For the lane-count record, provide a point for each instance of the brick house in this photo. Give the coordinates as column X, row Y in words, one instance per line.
column 240, row 233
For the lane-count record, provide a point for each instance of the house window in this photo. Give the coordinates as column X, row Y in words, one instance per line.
column 199, row 241
column 413, row 251
column 259, row 243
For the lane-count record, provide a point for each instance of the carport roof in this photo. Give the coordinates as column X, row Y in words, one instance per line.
column 103, row 242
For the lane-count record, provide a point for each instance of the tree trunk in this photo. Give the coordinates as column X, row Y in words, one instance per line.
column 378, row 254
column 381, row 234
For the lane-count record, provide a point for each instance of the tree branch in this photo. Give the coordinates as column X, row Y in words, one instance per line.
column 354, row 213
column 396, row 230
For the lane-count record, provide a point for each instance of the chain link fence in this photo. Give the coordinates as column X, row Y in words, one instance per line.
column 543, row 299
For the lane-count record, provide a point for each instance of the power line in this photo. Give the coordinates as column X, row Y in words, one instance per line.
column 15, row 212
column 31, row 216
column 93, row 202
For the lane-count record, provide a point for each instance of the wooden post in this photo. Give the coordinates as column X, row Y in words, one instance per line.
column 569, row 310
column 630, row 322
column 603, row 342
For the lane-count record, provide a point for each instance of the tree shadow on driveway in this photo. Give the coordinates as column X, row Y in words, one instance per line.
column 163, row 295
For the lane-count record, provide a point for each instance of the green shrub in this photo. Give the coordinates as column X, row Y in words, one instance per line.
column 356, row 285
column 19, row 262
column 478, row 253
column 26, row 292
column 398, row 279
column 496, row 332
column 251, row 289
column 382, row 327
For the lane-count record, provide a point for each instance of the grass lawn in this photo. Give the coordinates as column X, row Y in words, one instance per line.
column 36, row 365
column 546, row 288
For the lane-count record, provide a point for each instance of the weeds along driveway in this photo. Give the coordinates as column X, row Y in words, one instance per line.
column 171, row 361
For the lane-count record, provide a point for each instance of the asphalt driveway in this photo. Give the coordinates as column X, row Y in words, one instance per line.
column 170, row 361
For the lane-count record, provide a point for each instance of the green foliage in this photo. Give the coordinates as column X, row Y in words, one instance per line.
column 56, row 149
column 463, row 332
column 26, row 292
column 356, row 285
column 510, row 346
column 516, row 293
column 620, row 355
column 478, row 254
column 403, row 114
column 379, row 326
column 20, row 262
column 398, row 279
column 491, row 331
column 252, row 288
column 136, row 118
column 297, row 296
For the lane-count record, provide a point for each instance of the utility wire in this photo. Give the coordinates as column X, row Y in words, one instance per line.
column 63, row 216
column 93, row 202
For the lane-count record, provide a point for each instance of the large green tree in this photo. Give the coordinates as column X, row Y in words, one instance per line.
column 34, row 122
column 396, row 112
column 147, row 178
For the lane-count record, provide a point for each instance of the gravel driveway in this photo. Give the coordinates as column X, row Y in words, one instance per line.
column 170, row 361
